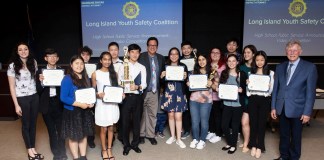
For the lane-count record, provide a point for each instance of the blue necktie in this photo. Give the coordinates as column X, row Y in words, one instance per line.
column 153, row 76
column 289, row 72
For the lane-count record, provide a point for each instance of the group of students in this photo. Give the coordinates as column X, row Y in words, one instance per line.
column 210, row 116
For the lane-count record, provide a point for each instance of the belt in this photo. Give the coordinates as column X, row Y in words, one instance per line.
column 131, row 94
column 53, row 97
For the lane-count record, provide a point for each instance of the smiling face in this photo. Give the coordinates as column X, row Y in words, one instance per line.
column 23, row 51
column 174, row 56
column 202, row 61
column 248, row 54
column 232, row 47
column 51, row 59
column 259, row 61
column 77, row 66
column 232, row 62
column 186, row 50
column 114, row 51
column 106, row 61
column 293, row 52
column 152, row 47
column 215, row 54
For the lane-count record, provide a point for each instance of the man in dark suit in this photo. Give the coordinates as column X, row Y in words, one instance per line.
column 51, row 107
column 154, row 64
column 293, row 99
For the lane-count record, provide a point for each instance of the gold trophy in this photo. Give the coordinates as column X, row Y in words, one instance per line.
column 126, row 82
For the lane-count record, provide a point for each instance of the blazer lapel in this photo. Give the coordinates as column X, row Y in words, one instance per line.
column 297, row 70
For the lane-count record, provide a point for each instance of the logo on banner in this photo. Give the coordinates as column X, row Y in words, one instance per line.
column 297, row 8
column 131, row 10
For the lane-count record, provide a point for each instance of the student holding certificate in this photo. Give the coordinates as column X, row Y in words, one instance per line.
column 174, row 99
column 259, row 105
column 248, row 53
column 232, row 111
column 106, row 114
column 21, row 77
column 77, row 121
column 51, row 107
column 200, row 105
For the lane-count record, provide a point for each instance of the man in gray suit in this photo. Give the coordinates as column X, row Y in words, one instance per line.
column 154, row 64
column 293, row 99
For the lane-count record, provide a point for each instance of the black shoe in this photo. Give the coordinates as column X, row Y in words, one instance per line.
column 142, row 140
column 231, row 152
column 137, row 150
column 226, row 148
column 91, row 144
column 83, row 158
column 126, row 151
column 153, row 141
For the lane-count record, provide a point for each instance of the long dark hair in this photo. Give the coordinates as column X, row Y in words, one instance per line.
column 81, row 83
column 168, row 61
column 18, row 63
column 197, row 67
column 253, row 50
column 265, row 68
column 111, row 69
column 225, row 73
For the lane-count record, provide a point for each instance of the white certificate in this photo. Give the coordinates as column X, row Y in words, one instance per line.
column 198, row 82
column 52, row 77
column 190, row 63
column 259, row 82
column 228, row 92
column 86, row 95
column 90, row 68
column 113, row 94
column 174, row 73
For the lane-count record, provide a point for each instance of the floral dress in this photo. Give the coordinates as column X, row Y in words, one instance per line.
column 173, row 98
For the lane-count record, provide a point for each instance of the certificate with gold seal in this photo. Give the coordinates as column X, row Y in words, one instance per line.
column 227, row 92
column 52, row 77
column 174, row 73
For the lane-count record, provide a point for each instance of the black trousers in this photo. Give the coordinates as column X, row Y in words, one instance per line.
column 29, row 108
column 215, row 118
column 53, row 121
column 186, row 117
column 90, row 139
column 259, row 109
column 231, row 119
column 131, row 111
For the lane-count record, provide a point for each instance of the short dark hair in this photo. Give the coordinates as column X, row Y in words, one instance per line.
column 50, row 51
column 186, row 43
column 233, row 39
column 134, row 47
column 113, row 44
column 152, row 38
column 86, row 49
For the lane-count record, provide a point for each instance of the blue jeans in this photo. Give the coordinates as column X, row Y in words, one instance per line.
column 200, row 113
column 160, row 123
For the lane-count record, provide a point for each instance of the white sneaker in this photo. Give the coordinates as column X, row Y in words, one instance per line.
column 210, row 135
column 170, row 140
column 201, row 145
column 193, row 143
column 215, row 139
column 181, row 144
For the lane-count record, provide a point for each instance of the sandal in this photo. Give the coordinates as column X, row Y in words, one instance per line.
column 103, row 158
column 33, row 158
column 112, row 157
column 39, row 156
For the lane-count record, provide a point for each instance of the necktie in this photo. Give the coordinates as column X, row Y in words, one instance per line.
column 153, row 76
column 289, row 72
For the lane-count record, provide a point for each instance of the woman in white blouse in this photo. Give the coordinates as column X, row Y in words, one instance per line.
column 21, row 77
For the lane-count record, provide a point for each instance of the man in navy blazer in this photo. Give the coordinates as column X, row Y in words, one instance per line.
column 293, row 99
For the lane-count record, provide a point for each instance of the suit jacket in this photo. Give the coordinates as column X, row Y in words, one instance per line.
column 44, row 94
column 298, row 97
column 144, row 60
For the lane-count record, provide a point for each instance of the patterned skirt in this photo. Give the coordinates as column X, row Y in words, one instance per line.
column 77, row 124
